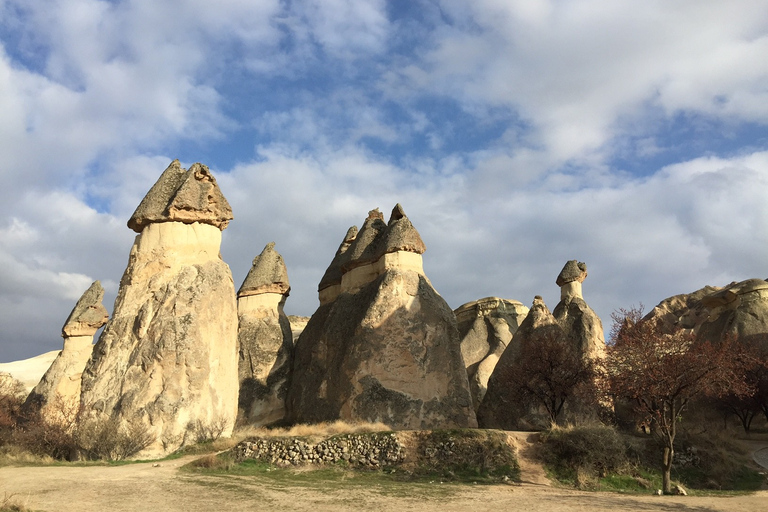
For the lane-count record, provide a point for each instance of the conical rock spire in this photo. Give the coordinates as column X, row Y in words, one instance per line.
column 267, row 275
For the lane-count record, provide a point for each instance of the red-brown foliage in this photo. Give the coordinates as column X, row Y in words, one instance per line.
column 661, row 372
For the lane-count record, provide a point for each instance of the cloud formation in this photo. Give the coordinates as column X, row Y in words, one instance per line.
column 516, row 134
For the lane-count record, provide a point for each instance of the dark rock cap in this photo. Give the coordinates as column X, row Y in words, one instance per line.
column 572, row 271
column 267, row 275
column 183, row 196
column 401, row 235
column 365, row 248
column 89, row 314
column 333, row 273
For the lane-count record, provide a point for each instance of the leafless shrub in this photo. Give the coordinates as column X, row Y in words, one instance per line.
column 10, row 503
column 112, row 439
column 205, row 432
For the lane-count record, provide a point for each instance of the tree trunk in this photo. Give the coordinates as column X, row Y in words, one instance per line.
column 666, row 469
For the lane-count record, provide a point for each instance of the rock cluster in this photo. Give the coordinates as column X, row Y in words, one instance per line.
column 486, row 327
column 573, row 322
column 383, row 345
column 363, row 450
column 168, row 356
column 499, row 409
column 58, row 392
column 264, row 339
column 739, row 309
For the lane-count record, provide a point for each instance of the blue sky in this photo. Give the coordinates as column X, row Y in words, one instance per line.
column 517, row 135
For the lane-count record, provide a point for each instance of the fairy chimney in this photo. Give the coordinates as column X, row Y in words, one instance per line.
column 264, row 339
column 168, row 356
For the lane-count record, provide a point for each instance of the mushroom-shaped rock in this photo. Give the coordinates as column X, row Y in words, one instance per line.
column 581, row 324
column 58, row 392
column 486, row 327
column 570, row 278
column 88, row 315
column 385, row 348
column 265, row 341
column 330, row 284
column 267, row 275
column 167, row 358
column 183, row 196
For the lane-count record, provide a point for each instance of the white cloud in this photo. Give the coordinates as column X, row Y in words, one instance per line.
column 574, row 70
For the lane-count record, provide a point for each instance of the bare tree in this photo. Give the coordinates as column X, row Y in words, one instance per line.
column 661, row 372
column 549, row 372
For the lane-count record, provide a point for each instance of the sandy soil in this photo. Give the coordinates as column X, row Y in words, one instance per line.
column 147, row 486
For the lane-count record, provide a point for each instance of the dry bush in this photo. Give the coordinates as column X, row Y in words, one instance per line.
column 112, row 439
column 325, row 429
column 12, row 394
column 10, row 503
column 584, row 453
column 213, row 461
column 206, row 432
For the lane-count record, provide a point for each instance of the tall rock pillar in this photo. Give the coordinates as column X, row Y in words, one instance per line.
column 57, row 395
column 265, row 341
column 168, row 356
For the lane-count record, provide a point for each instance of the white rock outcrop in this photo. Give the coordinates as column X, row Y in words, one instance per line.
column 486, row 327
column 168, row 357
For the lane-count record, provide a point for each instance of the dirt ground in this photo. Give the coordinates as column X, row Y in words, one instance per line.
column 147, row 486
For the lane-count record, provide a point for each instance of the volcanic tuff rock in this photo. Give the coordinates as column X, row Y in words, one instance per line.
column 58, row 391
column 580, row 323
column 570, row 278
column 486, row 327
column 168, row 356
column 264, row 338
column 572, row 322
column 330, row 284
column 498, row 409
column 739, row 309
column 183, row 196
column 384, row 346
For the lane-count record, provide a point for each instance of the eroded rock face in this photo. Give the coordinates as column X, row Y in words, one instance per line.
column 265, row 341
column 386, row 346
column 57, row 395
column 712, row 313
column 498, row 409
column 168, row 356
column 486, row 327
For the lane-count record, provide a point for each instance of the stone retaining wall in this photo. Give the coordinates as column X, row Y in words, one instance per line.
column 368, row 450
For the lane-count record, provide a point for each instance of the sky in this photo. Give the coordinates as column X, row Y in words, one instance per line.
column 517, row 135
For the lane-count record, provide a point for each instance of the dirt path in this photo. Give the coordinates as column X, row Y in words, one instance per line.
column 140, row 487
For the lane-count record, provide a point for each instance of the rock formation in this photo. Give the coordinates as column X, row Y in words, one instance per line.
column 57, row 395
column 500, row 408
column 486, row 327
column 265, row 341
column 712, row 313
column 168, row 357
column 383, row 345
column 572, row 323
column 580, row 323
